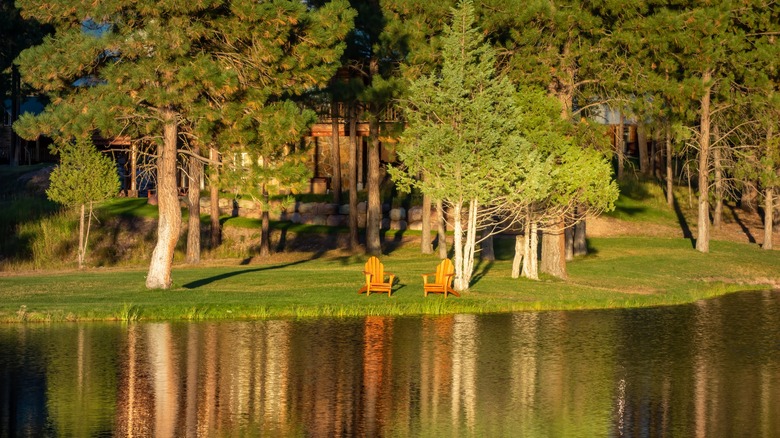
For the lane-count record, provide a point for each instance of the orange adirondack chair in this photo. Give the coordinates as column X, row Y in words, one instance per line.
column 442, row 282
column 375, row 278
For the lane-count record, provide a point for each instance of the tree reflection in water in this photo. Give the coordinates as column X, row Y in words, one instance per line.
column 708, row 369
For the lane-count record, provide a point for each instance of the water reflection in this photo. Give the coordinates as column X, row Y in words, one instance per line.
column 708, row 369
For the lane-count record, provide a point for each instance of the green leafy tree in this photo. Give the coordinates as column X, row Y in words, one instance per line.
column 83, row 177
column 462, row 123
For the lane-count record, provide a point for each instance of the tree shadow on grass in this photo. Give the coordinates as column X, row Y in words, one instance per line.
column 741, row 224
column 683, row 223
column 206, row 281
column 481, row 270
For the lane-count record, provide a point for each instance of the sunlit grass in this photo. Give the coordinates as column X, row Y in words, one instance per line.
column 621, row 272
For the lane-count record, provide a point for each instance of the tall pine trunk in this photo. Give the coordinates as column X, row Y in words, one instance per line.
column 335, row 153
column 769, row 204
column 216, row 232
column 620, row 147
column 441, row 230
column 353, row 175
column 265, row 228
column 193, row 205
column 669, row 170
column 644, row 157
column 769, row 215
column 426, row 241
column 703, row 220
column 717, row 164
column 169, row 222
column 374, row 218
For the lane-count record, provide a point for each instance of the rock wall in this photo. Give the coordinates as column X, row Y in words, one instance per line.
column 323, row 213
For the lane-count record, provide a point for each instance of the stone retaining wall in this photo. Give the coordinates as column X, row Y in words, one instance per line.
column 323, row 213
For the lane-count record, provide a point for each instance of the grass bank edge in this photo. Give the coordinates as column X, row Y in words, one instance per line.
column 674, row 272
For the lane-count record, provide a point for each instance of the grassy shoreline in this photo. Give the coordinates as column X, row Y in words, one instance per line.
column 619, row 273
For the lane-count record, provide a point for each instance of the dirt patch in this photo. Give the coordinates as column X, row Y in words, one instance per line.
column 738, row 226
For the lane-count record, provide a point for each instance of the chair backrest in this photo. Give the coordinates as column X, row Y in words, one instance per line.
column 443, row 270
column 375, row 267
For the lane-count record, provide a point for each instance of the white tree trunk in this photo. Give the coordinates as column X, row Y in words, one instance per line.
column 531, row 259
column 517, row 261
column 441, row 230
column 169, row 222
column 81, row 236
column 457, row 243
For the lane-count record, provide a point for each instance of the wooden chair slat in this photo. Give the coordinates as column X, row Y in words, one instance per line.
column 442, row 283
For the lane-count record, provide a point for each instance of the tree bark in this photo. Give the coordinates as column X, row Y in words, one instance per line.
column 669, row 170
column 426, row 244
column 748, row 198
column 644, row 157
column 169, row 222
column 457, row 243
column 620, row 148
column 717, row 214
column 703, row 221
column 335, row 153
column 517, row 260
column 769, row 211
column 216, row 231
column 580, row 239
column 441, row 230
column 353, row 171
column 568, row 235
column 487, row 252
column 265, row 229
column 81, row 236
column 16, row 99
column 193, row 204
column 553, row 251
column 769, row 203
column 531, row 259
column 374, row 219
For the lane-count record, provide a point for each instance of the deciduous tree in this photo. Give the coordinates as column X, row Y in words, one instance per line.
column 83, row 177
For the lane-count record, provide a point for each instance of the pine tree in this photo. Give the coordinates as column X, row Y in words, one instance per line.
column 161, row 71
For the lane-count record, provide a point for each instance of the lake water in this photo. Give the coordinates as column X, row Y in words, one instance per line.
column 709, row 369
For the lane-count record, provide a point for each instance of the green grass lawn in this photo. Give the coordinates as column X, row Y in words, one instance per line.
column 620, row 272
